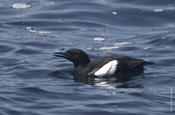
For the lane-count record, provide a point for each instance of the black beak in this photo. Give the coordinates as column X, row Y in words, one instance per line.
column 59, row 54
column 62, row 54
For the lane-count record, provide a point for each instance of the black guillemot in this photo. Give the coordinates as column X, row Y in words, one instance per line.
column 117, row 66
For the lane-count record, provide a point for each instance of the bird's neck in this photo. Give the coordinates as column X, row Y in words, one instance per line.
column 82, row 63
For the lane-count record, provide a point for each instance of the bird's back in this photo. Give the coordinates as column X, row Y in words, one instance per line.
column 125, row 68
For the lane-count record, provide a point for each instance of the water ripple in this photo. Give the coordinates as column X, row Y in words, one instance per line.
column 33, row 81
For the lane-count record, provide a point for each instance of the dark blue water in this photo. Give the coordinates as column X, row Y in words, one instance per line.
column 34, row 82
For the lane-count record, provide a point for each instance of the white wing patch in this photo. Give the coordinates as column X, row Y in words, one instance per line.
column 108, row 69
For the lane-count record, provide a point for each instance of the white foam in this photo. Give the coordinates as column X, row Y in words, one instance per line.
column 158, row 10
column 115, row 46
column 122, row 43
column 21, row 6
column 32, row 30
column 44, row 32
column 114, row 12
column 99, row 39
column 109, row 48
column 146, row 48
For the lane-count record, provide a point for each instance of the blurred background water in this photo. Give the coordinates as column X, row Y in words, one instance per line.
column 34, row 82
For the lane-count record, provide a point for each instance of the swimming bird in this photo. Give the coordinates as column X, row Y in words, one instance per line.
column 117, row 66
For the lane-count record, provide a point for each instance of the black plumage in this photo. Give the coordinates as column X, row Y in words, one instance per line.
column 85, row 70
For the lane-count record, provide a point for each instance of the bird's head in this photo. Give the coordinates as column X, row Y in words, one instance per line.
column 76, row 56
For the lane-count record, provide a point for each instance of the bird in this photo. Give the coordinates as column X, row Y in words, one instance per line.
column 117, row 66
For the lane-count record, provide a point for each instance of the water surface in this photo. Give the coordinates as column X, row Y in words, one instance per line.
column 34, row 82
